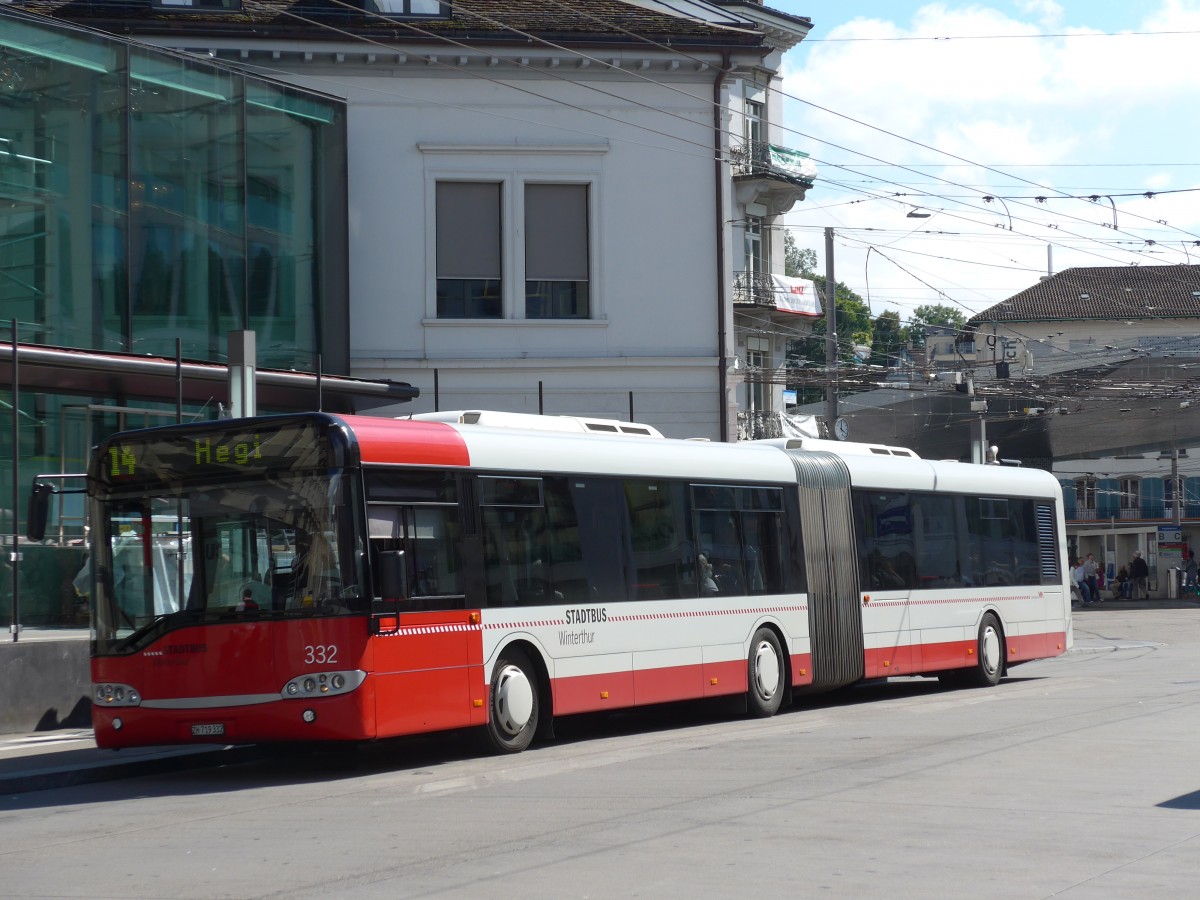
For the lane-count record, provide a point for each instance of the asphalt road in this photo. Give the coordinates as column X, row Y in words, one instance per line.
column 1076, row 777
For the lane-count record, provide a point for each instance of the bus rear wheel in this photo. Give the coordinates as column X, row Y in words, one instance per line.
column 513, row 705
column 989, row 654
column 766, row 674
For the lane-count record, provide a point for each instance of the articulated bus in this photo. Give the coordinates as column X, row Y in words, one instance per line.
column 316, row 577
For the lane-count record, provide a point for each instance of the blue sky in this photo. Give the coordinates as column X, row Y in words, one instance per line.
column 1026, row 99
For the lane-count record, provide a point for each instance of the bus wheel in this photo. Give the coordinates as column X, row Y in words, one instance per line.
column 513, row 715
column 766, row 674
column 989, row 665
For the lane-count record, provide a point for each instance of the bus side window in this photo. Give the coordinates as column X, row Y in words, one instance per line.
column 429, row 539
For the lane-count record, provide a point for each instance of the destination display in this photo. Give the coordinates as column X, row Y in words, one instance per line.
column 254, row 448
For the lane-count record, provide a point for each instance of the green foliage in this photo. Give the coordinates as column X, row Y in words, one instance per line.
column 933, row 314
column 854, row 326
column 797, row 262
column 889, row 337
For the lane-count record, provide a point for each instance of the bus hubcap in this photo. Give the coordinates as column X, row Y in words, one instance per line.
column 514, row 699
column 766, row 670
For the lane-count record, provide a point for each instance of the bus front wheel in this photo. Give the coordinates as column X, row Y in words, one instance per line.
column 989, row 650
column 766, row 674
column 513, row 705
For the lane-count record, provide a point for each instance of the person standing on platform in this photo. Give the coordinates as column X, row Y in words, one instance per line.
column 1139, row 574
column 1090, row 568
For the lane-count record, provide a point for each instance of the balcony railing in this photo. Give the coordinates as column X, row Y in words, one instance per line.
column 1144, row 512
column 770, row 176
column 753, row 289
column 760, row 159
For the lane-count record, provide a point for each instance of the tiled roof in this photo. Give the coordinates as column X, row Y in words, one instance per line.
column 1105, row 292
column 590, row 21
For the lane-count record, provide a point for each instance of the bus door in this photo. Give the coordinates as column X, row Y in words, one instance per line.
column 426, row 657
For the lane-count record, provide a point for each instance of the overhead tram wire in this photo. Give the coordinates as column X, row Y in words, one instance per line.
column 1087, row 238
column 704, row 146
column 529, row 36
column 779, row 91
column 894, row 196
column 466, row 6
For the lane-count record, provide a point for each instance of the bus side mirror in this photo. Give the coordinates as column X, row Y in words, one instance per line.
column 393, row 575
column 39, row 511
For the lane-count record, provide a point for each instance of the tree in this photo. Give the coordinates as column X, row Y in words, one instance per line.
column 934, row 314
column 798, row 262
column 889, row 337
column 853, row 326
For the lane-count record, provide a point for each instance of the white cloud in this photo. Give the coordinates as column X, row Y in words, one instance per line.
column 1047, row 12
column 1026, row 106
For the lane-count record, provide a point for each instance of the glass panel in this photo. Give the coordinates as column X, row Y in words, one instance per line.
column 938, row 556
column 556, row 251
column 556, row 300
column 62, row 198
column 662, row 554
column 187, row 207
column 56, row 45
column 254, row 549
column 468, row 236
column 721, row 551
column 1002, row 541
column 284, row 151
column 887, row 552
column 409, row 7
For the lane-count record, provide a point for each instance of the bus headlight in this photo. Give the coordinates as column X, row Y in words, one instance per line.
column 323, row 684
column 115, row 695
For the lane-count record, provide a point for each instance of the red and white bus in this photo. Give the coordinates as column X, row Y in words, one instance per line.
column 321, row 577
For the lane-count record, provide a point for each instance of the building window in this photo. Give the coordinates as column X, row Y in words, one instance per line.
column 468, row 238
column 1172, row 488
column 219, row 6
column 756, row 256
column 756, row 111
column 556, row 251
column 1085, row 496
column 1131, row 493
column 409, row 7
column 758, row 361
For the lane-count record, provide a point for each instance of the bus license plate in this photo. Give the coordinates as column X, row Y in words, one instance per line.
column 208, row 730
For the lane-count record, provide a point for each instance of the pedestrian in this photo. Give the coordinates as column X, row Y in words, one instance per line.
column 1189, row 570
column 1139, row 573
column 1085, row 593
column 1122, row 587
column 1090, row 569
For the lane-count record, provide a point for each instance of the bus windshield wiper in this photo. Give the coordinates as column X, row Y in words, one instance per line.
column 157, row 627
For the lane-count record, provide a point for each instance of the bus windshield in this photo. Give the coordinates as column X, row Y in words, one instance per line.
column 251, row 549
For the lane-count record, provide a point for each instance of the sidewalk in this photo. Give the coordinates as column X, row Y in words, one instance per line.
column 55, row 759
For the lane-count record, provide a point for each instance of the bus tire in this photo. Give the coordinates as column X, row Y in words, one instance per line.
column 989, row 654
column 513, row 703
column 765, row 671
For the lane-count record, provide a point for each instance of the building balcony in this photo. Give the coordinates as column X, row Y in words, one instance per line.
column 755, row 289
column 770, row 176
column 1149, row 513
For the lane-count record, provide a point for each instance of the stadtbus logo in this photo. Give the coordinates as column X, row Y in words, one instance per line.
column 587, row 616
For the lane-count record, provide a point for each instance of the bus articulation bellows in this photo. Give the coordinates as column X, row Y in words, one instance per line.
column 320, row 577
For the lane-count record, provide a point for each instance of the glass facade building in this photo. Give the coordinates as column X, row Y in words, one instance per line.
column 150, row 203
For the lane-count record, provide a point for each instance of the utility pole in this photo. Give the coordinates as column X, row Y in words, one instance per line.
column 831, row 348
column 1176, row 493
